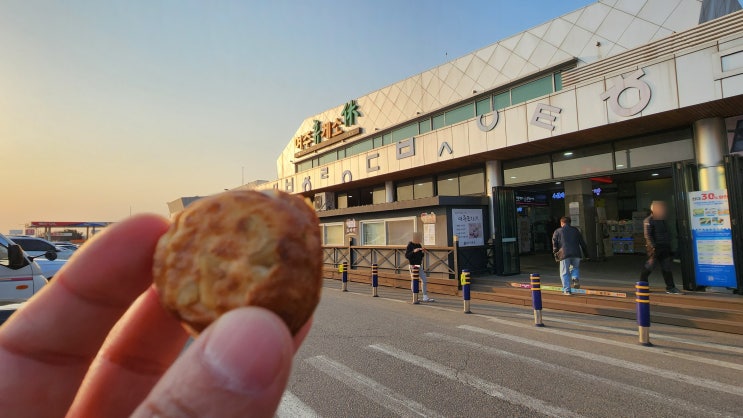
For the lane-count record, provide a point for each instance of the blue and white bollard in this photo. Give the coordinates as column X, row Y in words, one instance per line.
column 375, row 279
column 464, row 279
column 344, row 276
column 415, row 284
column 642, row 297
column 536, row 298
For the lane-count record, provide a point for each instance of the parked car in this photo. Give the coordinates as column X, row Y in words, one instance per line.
column 64, row 245
column 20, row 277
column 35, row 246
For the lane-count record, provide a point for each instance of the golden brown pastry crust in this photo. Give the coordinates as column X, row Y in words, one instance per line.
column 241, row 248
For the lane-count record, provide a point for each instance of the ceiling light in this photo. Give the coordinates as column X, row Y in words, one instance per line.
column 513, row 177
column 558, row 182
column 568, row 154
column 655, row 174
column 620, row 165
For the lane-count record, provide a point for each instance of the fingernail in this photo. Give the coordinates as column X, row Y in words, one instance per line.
column 247, row 349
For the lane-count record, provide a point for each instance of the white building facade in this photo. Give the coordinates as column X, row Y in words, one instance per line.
column 591, row 115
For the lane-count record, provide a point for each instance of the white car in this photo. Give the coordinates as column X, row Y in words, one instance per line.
column 35, row 246
column 20, row 277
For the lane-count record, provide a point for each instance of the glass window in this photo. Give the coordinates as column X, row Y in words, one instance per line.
column 424, row 126
column 472, row 182
column 387, row 139
column 423, row 187
column 373, row 233
column 531, row 90
column 342, row 200
column 459, row 114
column 304, row 166
column 341, row 153
column 482, row 106
column 365, row 196
column 585, row 165
column 558, row 81
column 527, row 170
column 502, row 100
column 404, row 191
column 405, row 132
column 327, row 158
column 378, row 142
column 448, row 184
column 379, row 195
column 399, row 231
column 359, row 147
column 4, row 257
column 333, row 234
column 30, row 244
column 438, row 122
column 354, row 198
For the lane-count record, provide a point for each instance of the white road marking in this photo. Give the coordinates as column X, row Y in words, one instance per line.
column 291, row 407
column 653, row 335
column 679, row 377
column 656, row 350
column 484, row 386
column 371, row 389
column 532, row 361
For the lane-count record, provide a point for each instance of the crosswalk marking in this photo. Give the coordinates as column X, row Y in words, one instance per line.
column 292, row 407
column 653, row 335
column 658, row 397
column 484, row 386
column 679, row 377
column 656, row 350
column 373, row 390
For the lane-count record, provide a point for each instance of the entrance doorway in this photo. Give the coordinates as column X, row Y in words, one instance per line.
column 621, row 203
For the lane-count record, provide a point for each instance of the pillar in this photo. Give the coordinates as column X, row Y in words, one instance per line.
column 582, row 211
column 710, row 142
column 389, row 191
column 493, row 178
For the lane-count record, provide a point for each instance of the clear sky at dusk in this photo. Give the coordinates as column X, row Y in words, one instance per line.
column 115, row 107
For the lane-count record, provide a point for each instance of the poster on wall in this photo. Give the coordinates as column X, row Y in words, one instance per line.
column 712, row 238
column 429, row 228
column 467, row 225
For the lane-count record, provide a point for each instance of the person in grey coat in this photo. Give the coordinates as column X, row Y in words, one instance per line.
column 567, row 243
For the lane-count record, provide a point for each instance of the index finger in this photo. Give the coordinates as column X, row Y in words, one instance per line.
column 57, row 334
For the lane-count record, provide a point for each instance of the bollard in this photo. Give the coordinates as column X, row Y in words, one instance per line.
column 536, row 298
column 375, row 279
column 344, row 276
column 414, row 285
column 464, row 279
column 642, row 297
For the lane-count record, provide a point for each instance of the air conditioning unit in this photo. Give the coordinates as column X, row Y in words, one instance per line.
column 324, row 201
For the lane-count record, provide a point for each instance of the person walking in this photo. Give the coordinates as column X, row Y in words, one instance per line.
column 658, row 245
column 567, row 243
column 414, row 253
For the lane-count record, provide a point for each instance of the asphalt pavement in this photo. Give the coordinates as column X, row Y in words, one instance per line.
column 384, row 357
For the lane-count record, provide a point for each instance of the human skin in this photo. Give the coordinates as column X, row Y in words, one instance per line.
column 97, row 342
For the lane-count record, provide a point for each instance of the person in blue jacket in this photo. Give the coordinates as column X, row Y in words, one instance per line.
column 567, row 243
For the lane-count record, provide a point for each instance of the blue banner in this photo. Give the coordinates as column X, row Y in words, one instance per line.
column 712, row 238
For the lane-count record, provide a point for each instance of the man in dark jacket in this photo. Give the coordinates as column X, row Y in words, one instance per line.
column 414, row 253
column 658, row 245
column 567, row 243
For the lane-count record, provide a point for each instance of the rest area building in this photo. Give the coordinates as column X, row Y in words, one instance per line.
column 591, row 115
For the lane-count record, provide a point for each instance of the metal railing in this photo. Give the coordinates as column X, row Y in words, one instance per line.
column 441, row 262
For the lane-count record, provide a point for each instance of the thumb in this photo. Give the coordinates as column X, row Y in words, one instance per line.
column 238, row 367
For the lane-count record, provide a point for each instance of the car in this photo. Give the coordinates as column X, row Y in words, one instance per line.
column 35, row 246
column 65, row 245
column 20, row 277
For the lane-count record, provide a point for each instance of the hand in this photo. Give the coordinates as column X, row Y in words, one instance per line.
column 96, row 342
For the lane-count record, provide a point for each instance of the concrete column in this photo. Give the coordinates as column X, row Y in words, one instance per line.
column 580, row 194
column 493, row 178
column 710, row 142
column 389, row 190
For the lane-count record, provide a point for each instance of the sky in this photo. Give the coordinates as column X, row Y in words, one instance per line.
column 112, row 108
